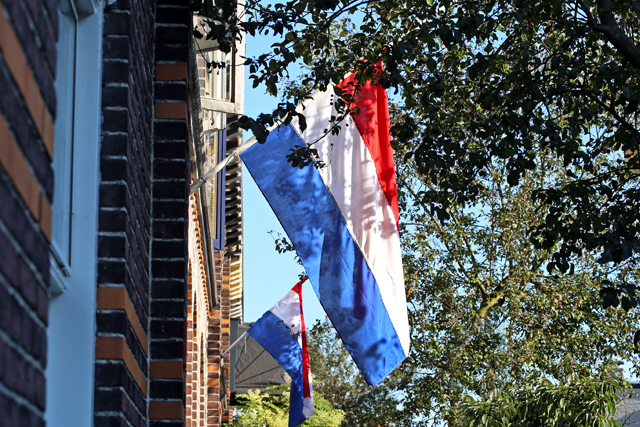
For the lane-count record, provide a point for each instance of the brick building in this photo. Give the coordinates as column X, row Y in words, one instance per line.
column 106, row 262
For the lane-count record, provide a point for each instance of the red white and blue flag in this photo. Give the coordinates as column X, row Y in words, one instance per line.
column 281, row 332
column 343, row 221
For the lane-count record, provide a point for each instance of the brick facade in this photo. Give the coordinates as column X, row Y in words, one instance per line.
column 124, row 225
column 219, row 336
column 146, row 297
column 171, row 172
column 27, row 110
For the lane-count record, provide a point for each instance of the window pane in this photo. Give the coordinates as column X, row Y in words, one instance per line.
column 63, row 152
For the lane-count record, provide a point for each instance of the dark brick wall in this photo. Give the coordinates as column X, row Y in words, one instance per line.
column 39, row 45
column 124, row 222
column 171, row 172
column 27, row 72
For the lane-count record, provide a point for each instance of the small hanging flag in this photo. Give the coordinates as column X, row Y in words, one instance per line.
column 282, row 333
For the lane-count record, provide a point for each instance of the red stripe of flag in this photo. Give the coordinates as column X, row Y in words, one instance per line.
column 373, row 124
column 305, row 350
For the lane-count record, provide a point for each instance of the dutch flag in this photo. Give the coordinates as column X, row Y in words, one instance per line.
column 281, row 332
column 343, row 221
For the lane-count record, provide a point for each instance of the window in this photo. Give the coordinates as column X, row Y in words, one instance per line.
column 219, row 81
column 63, row 153
column 216, row 148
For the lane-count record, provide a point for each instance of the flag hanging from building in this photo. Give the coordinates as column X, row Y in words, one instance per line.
column 343, row 221
column 282, row 333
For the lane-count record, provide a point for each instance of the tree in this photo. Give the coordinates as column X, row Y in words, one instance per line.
column 486, row 315
column 516, row 132
column 485, row 312
column 336, row 377
column 270, row 407
column 479, row 81
column 574, row 402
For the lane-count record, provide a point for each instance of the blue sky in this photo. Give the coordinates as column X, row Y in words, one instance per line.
column 268, row 275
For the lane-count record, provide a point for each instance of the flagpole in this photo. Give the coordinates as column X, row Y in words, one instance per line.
column 244, row 147
column 217, row 168
column 234, row 344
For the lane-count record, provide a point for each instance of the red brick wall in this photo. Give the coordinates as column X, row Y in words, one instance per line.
column 143, row 216
column 219, row 336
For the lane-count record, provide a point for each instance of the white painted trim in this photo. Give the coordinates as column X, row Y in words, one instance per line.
column 63, row 153
column 240, row 53
column 218, row 105
column 71, row 332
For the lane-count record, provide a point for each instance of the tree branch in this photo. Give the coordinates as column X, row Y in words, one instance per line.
column 611, row 110
column 609, row 27
column 465, row 237
column 440, row 229
column 490, row 302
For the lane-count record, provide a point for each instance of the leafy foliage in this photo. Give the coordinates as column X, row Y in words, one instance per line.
column 485, row 312
column 516, row 133
column 574, row 402
column 479, row 81
column 270, row 407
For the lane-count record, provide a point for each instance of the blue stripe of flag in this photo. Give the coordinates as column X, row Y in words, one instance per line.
column 270, row 332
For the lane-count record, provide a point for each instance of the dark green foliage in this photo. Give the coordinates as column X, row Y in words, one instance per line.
column 486, row 313
column 479, row 81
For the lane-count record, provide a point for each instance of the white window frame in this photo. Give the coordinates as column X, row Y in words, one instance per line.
column 63, row 165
